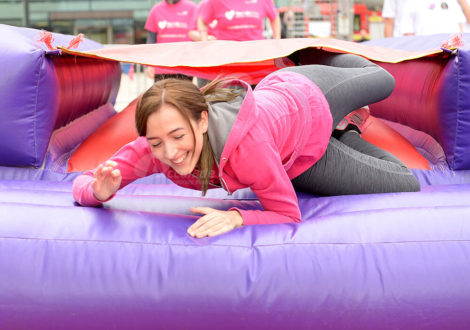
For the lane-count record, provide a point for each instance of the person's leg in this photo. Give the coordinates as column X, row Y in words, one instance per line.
column 353, row 140
column 350, row 165
column 345, row 171
column 348, row 81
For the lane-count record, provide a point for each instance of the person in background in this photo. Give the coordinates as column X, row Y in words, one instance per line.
column 239, row 20
column 194, row 34
column 364, row 36
column 169, row 21
column 427, row 17
column 299, row 129
column 392, row 12
column 464, row 4
column 288, row 21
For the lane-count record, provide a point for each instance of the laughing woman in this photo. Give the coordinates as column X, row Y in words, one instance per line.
column 298, row 129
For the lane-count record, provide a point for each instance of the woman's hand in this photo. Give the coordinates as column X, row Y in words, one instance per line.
column 150, row 72
column 214, row 222
column 107, row 180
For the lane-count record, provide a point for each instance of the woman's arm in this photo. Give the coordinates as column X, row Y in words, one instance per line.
column 264, row 173
column 276, row 27
column 151, row 37
column 465, row 8
column 389, row 26
column 202, row 27
column 194, row 35
column 131, row 162
column 94, row 188
column 214, row 222
column 259, row 166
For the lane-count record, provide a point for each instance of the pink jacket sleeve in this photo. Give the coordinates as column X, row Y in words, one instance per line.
column 135, row 161
column 269, row 181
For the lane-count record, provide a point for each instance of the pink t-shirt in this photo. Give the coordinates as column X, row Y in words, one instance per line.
column 171, row 23
column 238, row 20
column 198, row 12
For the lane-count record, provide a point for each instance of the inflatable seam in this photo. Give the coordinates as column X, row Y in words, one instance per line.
column 457, row 124
column 35, row 161
column 251, row 247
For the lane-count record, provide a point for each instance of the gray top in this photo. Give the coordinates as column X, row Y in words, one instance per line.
column 222, row 116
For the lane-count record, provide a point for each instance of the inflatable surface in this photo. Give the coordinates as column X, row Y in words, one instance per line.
column 378, row 261
column 55, row 90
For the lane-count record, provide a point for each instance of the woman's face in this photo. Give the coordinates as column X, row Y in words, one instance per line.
column 171, row 140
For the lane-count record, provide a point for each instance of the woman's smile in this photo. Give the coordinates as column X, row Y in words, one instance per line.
column 174, row 140
column 180, row 160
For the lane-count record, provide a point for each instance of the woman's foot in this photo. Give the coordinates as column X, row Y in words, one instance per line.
column 355, row 120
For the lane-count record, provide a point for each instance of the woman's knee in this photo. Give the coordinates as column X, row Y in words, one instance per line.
column 389, row 82
column 413, row 184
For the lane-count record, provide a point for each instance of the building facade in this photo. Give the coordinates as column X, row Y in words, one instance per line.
column 105, row 21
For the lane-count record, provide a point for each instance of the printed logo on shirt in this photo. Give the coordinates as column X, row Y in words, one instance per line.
column 249, row 2
column 179, row 36
column 213, row 24
column 241, row 14
column 239, row 27
column 182, row 13
column 230, row 14
column 168, row 25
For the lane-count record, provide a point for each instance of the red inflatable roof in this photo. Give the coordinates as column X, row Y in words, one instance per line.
column 248, row 60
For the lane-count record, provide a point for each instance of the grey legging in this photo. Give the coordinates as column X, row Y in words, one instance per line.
column 350, row 165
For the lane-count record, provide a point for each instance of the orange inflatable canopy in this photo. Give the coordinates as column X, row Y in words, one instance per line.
column 105, row 141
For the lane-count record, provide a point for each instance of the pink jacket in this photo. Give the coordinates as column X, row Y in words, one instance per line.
column 281, row 129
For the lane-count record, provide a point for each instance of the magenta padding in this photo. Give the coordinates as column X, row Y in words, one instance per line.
column 414, row 101
column 65, row 140
column 431, row 94
column 455, row 116
column 28, row 94
column 389, row 261
column 84, row 85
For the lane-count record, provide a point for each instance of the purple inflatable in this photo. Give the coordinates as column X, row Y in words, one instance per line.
column 380, row 261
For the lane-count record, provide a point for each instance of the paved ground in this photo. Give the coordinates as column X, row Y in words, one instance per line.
column 131, row 87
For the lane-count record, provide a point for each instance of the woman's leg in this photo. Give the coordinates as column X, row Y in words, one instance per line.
column 350, row 165
column 348, row 81
column 365, row 169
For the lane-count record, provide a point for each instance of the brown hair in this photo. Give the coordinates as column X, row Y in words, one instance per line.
column 190, row 102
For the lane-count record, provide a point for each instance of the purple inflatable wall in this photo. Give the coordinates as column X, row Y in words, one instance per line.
column 431, row 95
column 36, row 96
column 380, row 261
column 388, row 261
